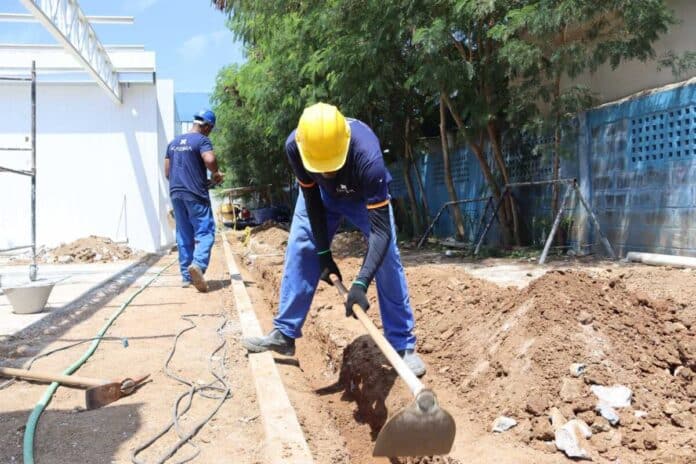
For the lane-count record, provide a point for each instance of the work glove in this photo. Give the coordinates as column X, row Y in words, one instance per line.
column 356, row 296
column 328, row 266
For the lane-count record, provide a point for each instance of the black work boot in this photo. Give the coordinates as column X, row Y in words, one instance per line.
column 275, row 341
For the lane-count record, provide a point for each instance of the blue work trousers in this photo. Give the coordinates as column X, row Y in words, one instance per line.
column 301, row 274
column 195, row 234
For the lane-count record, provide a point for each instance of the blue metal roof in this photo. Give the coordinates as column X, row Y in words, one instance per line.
column 189, row 103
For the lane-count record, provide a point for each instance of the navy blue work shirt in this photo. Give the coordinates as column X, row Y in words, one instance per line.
column 363, row 177
column 188, row 178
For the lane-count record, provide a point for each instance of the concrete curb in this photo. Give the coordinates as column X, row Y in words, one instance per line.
column 284, row 441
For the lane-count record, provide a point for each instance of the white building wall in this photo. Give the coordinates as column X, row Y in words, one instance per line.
column 98, row 164
column 167, row 131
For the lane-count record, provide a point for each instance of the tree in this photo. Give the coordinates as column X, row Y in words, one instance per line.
column 548, row 42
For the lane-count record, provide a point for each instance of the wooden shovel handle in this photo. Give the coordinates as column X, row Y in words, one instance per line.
column 68, row 380
column 389, row 352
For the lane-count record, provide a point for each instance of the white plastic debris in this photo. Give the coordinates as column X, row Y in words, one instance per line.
column 608, row 413
column 617, row 396
column 640, row 414
column 571, row 439
column 503, row 423
column 577, row 369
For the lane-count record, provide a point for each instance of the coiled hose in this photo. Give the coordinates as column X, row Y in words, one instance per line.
column 28, row 446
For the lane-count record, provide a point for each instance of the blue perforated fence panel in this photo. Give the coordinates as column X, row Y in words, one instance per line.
column 643, row 171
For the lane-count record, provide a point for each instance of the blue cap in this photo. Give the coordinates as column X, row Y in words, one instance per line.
column 206, row 116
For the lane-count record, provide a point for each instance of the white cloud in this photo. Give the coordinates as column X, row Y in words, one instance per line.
column 197, row 44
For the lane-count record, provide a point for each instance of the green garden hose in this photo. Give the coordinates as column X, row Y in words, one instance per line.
column 28, row 447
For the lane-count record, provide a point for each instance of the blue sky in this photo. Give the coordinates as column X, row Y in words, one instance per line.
column 189, row 36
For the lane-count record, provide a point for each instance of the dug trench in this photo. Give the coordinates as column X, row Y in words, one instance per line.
column 494, row 351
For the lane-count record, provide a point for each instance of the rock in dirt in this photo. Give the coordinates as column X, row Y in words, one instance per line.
column 571, row 389
column 683, row 419
column 541, row 429
column 577, row 369
column 557, row 419
column 503, row 423
column 536, row 406
column 585, row 318
column 617, row 396
column 572, row 439
column 671, row 408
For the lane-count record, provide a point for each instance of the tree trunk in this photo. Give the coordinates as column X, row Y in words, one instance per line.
column 456, row 212
column 498, row 154
column 477, row 149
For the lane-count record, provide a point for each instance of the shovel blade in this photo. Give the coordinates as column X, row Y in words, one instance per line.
column 96, row 397
column 420, row 429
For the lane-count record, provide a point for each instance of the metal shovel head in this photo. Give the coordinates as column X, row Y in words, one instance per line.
column 420, row 429
column 99, row 396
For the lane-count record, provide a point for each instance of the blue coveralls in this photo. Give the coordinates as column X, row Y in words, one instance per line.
column 195, row 226
column 301, row 273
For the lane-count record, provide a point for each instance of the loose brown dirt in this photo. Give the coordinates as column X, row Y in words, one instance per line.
column 501, row 350
column 92, row 249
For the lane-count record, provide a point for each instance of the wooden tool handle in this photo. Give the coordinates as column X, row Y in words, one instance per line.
column 389, row 352
column 69, row 380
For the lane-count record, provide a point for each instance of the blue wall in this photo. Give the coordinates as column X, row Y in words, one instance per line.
column 635, row 162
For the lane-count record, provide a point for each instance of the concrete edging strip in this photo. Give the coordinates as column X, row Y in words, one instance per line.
column 285, row 441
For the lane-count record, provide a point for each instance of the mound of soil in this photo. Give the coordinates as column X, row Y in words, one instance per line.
column 495, row 351
column 90, row 249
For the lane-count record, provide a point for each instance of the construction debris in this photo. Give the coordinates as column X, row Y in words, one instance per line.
column 572, row 437
column 617, row 396
column 92, row 249
column 503, row 423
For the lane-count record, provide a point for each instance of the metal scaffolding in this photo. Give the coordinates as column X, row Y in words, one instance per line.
column 572, row 192
column 30, row 173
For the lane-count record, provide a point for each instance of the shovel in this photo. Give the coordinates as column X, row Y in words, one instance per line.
column 421, row 428
column 99, row 392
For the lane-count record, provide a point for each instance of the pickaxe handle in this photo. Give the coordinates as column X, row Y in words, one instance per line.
column 68, row 380
column 389, row 352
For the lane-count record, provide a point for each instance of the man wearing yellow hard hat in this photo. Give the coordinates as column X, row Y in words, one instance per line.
column 338, row 163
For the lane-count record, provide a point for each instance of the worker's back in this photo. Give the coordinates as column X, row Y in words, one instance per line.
column 187, row 173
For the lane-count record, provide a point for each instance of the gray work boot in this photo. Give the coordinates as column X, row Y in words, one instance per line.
column 185, row 283
column 413, row 361
column 275, row 341
column 197, row 278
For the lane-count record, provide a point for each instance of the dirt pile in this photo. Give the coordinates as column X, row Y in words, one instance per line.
column 510, row 353
column 495, row 351
column 92, row 249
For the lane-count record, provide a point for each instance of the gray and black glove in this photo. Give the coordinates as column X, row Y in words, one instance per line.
column 356, row 296
column 328, row 266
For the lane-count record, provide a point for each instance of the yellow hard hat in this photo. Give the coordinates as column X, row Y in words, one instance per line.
column 323, row 137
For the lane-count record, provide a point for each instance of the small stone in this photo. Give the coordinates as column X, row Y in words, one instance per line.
column 671, row 408
column 541, row 429
column 536, row 406
column 571, row 389
column 588, row 417
column 577, row 369
column 640, row 414
column 426, row 348
column 557, row 419
column 585, row 318
column 600, row 425
column 617, row 396
column 503, row 423
column 683, row 419
column 650, row 439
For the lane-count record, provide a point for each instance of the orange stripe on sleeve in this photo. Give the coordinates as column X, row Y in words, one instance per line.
column 378, row 205
column 302, row 184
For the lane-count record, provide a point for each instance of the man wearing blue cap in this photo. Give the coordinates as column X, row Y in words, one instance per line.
column 188, row 157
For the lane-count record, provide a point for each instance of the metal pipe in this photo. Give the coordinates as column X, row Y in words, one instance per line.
column 10, row 78
column 33, row 270
column 439, row 213
column 16, row 171
column 540, row 182
column 28, row 18
column 14, row 149
column 490, row 222
column 602, row 238
column 23, row 247
column 556, row 222
column 655, row 259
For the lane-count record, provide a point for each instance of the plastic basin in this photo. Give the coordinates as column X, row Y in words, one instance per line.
column 29, row 298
